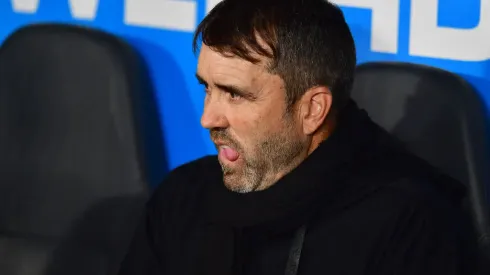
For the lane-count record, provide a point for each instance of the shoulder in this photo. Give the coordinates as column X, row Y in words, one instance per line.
column 413, row 205
column 397, row 186
column 423, row 196
column 406, row 210
column 427, row 216
column 423, row 189
column 410, row 218
column 411, row 197
column 404, row 182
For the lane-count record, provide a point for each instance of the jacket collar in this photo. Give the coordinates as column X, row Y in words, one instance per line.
column 324, row 180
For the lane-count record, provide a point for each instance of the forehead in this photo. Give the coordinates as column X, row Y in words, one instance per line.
column 214, row 66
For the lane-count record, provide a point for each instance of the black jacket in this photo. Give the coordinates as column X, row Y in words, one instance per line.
column 368, row 207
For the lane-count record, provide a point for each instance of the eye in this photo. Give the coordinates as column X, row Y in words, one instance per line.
column 234, row 96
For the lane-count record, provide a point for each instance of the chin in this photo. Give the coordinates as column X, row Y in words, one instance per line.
column 234, row 183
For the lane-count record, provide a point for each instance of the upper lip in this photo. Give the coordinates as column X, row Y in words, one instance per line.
column 220, row 143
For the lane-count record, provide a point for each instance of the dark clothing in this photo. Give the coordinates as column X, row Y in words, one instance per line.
column 368, row 206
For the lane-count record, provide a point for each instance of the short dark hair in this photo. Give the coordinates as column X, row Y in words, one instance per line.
column 308, row 42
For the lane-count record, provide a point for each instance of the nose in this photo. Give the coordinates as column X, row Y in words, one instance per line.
column 213, row 115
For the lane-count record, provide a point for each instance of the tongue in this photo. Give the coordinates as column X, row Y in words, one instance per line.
column 230, row 154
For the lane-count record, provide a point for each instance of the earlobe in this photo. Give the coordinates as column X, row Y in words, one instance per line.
column 318, row 103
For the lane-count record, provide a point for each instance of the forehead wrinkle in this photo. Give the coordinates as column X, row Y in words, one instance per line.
column 247, row 78
column 224, row 69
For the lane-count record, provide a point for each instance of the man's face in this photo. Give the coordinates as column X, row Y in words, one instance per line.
column 258, row 140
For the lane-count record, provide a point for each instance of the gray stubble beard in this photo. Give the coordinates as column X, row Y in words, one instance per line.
column 281, row 153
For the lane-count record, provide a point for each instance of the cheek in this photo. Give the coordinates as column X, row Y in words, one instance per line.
column 253, row 133
column 252, row 125
column 246, row 127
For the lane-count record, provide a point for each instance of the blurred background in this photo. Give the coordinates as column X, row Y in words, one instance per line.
column 449, row 34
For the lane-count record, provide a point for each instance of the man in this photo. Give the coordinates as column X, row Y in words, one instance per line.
column 304, row 182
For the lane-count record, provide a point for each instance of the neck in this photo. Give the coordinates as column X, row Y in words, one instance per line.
column 322, row 134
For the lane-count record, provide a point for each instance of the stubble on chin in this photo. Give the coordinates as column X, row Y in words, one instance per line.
column 235, row 181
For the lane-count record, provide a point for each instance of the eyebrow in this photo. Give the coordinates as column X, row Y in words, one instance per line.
column 228, row 88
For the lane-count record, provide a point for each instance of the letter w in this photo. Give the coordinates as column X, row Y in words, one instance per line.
column 80, row 9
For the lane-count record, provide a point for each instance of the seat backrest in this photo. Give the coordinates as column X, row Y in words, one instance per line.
column 75, row 112
column 439, row 116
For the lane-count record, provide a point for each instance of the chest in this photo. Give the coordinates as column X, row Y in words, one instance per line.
column 334, row 246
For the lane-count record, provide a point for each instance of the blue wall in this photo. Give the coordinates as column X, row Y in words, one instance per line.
column 451, row 34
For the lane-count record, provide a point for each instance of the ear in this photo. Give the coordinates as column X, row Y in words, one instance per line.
column 316, row 104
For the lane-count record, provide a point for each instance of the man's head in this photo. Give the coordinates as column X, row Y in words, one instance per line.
column 275, row 73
